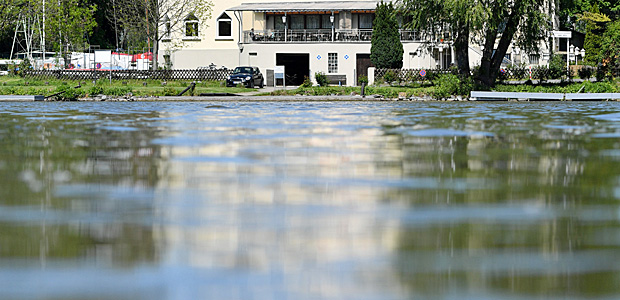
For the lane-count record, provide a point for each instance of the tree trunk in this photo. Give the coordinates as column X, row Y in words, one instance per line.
column 461, row 48
column 484, row 72
column 492, row 61
column 155, row 53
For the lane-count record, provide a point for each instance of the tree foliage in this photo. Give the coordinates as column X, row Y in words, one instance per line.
column 62, row 24
column 146, row 20
column 594, row 30
column 68, row 22
column 610, row 47
column 572, row 10
column 9, row 9
column 386, row 50
column 495, row 24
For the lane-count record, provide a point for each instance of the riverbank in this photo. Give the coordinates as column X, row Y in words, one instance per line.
column 152, row 90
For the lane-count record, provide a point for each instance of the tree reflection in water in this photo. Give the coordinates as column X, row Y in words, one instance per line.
column 372, row 200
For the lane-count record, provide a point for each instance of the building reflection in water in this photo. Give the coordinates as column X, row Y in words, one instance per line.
column 309, row 201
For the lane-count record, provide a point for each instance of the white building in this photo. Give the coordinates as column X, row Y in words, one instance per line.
column 332, row 37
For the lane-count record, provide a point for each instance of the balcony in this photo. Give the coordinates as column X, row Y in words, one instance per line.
column 295, row 36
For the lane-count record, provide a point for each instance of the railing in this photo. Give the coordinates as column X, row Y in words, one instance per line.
column 320, row 36
column 410, row 75
column 541, row 73
column 198, row 74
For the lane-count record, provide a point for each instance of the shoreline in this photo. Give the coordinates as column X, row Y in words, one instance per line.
column 597, row 97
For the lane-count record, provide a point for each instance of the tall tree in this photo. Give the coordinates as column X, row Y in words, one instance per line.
column 610, row 47
column 496, row 24
column 149, row 20
column 386, row 50
column 9, row 9
column 68, row 24
column 594, row 29
column 434, row 17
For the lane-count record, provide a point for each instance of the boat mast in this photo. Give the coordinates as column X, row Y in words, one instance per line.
column 43, row 37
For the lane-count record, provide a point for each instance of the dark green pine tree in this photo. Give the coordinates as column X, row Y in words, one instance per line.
column 386, row 50
column 592, row 42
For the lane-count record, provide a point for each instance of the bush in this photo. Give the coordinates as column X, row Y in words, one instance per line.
column 117, row 91
column 362, row 80
column 599, row 87
column 68, row 93
column 585, row 72
column 321, row 79
column 307, row 82
column 600, row 74
column 95, row 90
column 170, row 91
column 23, row 66
column 446, row 85
column 557, row 67
column 390, row 76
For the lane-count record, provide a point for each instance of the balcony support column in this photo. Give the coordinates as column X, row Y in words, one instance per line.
column 331, row 18
column 285, row 28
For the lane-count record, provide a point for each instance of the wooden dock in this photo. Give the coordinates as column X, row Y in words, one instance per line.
column 21, row 98
column 506, row 96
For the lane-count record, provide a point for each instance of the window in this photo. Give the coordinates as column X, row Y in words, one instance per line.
column 279, row 24
column 167, row 28
column 224, row 26
column 313, row 21
column 332, row 63
column 365, row 21
column 168, row 61
column 534, row 59
column 297, row 21
column 191, row 26
column 326, row 21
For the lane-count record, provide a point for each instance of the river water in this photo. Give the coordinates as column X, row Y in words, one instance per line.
column 318, row 200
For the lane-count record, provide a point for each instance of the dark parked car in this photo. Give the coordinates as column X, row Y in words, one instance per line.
column 248, row 76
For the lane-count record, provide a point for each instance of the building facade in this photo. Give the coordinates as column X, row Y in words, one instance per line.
column 332, row 37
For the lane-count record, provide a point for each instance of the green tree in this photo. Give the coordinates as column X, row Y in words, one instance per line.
column 435, row 17
column 68, row 24
column 610, row 47
column 9, row 9
column 595, row 27
column 386, row 50
column 151, row 21
column 496, row 24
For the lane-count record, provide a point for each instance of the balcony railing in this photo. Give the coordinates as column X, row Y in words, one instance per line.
column 320, row 36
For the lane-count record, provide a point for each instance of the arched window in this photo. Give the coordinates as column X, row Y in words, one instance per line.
column 224, row 26
column 191, row 26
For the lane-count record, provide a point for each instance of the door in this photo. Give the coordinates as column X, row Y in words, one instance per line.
column 296, row 66
column 362, row 64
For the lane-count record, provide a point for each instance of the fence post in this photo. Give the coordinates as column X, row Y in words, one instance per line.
column 371, row 75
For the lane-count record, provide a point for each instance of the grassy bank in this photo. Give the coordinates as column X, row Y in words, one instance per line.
column 439, row 89
column 12, row 85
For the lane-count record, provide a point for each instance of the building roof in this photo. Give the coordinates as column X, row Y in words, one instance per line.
column 306, row 6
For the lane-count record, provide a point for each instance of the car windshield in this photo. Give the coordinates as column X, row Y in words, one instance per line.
column 242, row 70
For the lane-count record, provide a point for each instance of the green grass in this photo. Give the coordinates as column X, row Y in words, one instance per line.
column 430, row 90
column 13, row 85
column 387, row 91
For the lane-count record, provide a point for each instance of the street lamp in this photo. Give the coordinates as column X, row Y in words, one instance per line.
column 577, row 52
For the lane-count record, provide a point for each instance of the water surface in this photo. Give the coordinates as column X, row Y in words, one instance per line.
column 294, row 200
